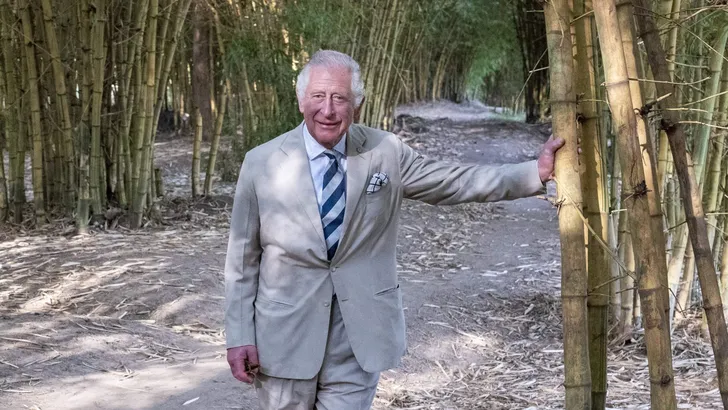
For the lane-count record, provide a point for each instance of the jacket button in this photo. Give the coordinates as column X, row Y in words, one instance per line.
column 333, row 269
column 327, row 304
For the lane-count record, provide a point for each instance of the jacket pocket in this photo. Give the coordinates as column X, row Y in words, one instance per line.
column 387, row 291
column 273, row 302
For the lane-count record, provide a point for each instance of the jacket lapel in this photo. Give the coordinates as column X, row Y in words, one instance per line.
column 357, row 172
column 298, row 167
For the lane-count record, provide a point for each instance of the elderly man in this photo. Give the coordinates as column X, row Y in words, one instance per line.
column 313, row 307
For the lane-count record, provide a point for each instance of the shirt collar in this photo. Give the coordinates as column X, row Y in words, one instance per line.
column 314, row 149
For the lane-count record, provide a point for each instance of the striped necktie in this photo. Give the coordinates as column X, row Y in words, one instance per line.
column 334, row 201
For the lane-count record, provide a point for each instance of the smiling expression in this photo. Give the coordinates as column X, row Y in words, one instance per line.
column 328, row 104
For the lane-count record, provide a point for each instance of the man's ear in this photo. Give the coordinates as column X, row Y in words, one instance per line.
column 357, row 110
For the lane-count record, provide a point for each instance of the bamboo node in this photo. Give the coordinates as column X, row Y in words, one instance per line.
column 667, row 125
column 708, row 308
column 639, row 190
column 664, row 380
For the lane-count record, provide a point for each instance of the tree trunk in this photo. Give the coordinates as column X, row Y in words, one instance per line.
column 574, row 276
column 651, row 265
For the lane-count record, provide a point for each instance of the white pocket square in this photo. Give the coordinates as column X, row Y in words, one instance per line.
column 378, row 181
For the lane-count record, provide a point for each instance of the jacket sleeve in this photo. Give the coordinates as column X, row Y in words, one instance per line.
column 242, row 263
column 440, row 183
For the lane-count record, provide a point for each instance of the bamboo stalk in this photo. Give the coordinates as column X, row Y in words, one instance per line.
column 148, row 109
column 63, row 103
column 215, row 144
column 35, row 124
column 717, row 138
column 12, row 100
column 195, row 174
column 651, row 264
column 138, row 121
column 626, row 255
column 686, row 285
column 574, row 276
column 691, row 200
column 169, row 57
column 596, row 206
column 99, row 59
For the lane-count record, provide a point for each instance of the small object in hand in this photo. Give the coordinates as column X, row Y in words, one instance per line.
column 251, row 368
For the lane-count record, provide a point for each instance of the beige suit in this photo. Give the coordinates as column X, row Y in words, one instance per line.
column 278, row 280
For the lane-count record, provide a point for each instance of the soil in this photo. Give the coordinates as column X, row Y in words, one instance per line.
column 121, row 319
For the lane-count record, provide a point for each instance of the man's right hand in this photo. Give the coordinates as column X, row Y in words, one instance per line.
column 243, row 361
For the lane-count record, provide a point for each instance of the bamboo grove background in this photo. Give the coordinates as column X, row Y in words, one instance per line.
column 86, row 84
column 641, row 87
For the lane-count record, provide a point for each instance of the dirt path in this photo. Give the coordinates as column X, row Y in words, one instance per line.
column 133, row 320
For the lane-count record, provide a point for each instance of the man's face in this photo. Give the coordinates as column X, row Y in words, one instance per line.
column 328, row 104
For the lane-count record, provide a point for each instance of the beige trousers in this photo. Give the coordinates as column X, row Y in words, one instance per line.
column 341, row 384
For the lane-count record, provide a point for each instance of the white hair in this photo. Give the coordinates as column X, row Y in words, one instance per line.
column 332, row 59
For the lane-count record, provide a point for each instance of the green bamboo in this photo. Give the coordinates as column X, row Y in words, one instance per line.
column 651, row 264
column 596, row 207
column 144, row 163
column 691, row 195
column 574, row 276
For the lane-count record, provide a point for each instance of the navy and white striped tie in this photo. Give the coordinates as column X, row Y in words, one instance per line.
column 334, row 202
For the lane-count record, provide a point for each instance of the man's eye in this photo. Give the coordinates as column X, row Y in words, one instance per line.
column 339, row 98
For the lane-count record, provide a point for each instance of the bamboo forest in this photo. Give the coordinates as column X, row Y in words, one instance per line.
column 124, row 125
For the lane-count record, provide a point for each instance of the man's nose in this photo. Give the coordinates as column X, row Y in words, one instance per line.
column 328, row 107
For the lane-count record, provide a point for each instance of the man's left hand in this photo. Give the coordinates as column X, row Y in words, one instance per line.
column 546, row 158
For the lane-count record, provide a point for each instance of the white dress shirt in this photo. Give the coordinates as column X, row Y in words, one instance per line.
column 319, row 162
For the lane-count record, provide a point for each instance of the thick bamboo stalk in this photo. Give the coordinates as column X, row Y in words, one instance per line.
column 713, row 135
column 702, row 140
column 4, row 203
column 722, row 202
column 690, row 192
column 144, row 164
column 59, row 79
column 12, row 101
column 686, row 285
column 195, row 174
column 596, row 206
column 96, row 182
column 574, row 276
column 138, row 100
column 83, row 133
column 4, row 198
column 201, row 81
column 626, row 255
column 35, row 123
column 651, row 265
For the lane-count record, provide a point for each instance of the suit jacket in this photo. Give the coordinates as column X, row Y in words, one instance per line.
column 278, row 281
